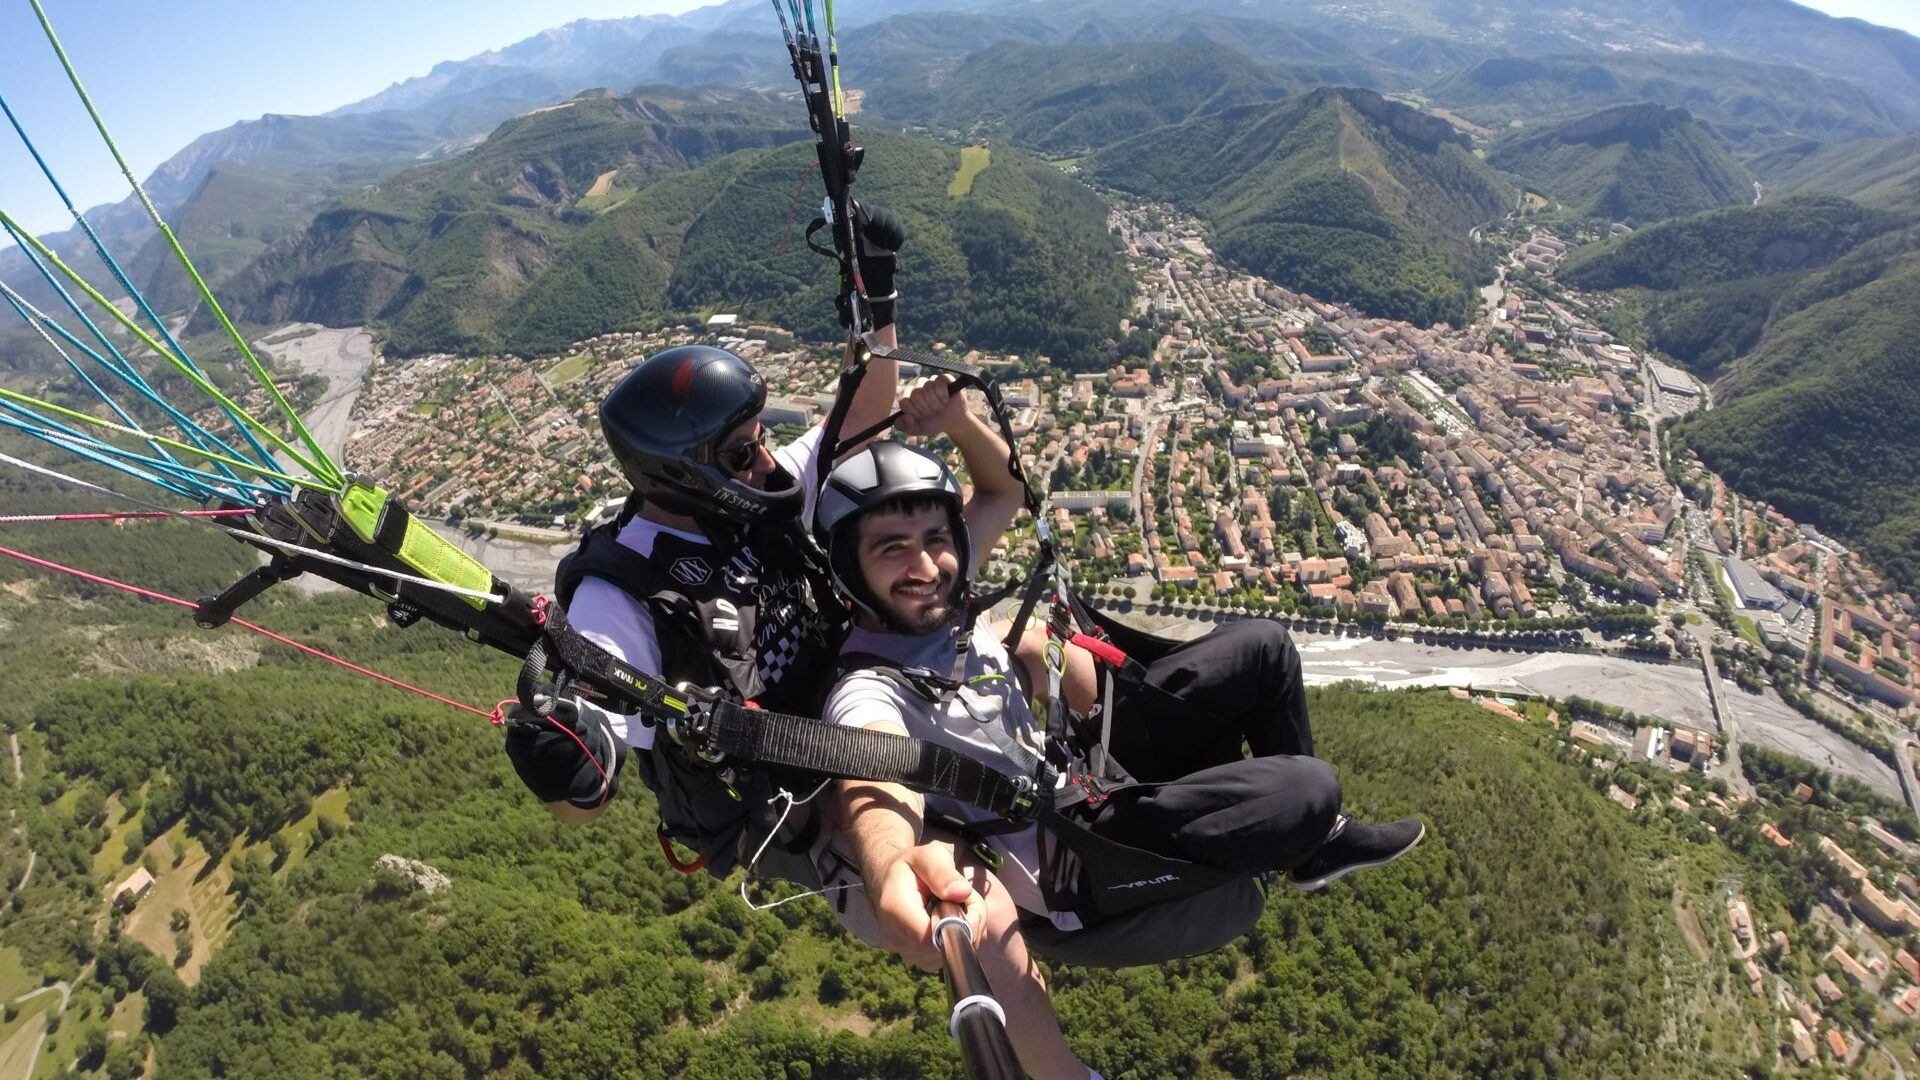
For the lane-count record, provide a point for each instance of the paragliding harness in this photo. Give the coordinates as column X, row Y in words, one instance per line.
column 1081, row 871
column 703, row 601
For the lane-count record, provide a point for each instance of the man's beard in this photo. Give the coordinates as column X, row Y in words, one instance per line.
column 928, row 618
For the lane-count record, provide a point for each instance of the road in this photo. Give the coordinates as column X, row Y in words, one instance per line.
column 66, row 995
column 1142, row 466
column 1729, row 769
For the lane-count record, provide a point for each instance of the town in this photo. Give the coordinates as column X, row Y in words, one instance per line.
column 1278, row 454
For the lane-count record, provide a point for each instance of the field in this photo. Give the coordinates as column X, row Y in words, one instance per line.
column 973, row 161
column 604, row 195
column 570, row 369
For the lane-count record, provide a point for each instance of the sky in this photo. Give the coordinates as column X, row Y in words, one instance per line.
column 163, row 72
column 166, row 71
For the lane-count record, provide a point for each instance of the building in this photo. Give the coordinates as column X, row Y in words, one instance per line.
column 1671, row 380
column 1847, row 863
column 1828, row 990
column 134, row 889
column 1887, row 840
column 1753, row 591
column 1904, row 960
column 1855, row 972
column 1882, row 912
column 1649, row 744
column 1692, row 747
column 788, row 410
column 1803, row 1047
column 1079, row 502
column 1589, row 733
column 1837, row 1043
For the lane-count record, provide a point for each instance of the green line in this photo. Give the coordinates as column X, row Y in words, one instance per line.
column 87, row 418
column 330, row 473
column 327, row 470
column 833, row 53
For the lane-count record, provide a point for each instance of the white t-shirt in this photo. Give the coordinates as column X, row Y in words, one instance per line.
column 604, row 614
column 864, row 698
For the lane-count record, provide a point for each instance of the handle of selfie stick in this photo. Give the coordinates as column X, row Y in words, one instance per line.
column 977, row 1022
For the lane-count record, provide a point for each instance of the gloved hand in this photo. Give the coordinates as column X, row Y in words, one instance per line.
column 574, row 755
column 878, row 235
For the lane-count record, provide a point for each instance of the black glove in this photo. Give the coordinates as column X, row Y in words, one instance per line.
column 572, row 756
column 878, row 235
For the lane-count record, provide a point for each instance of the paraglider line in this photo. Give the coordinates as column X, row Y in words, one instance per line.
column 160, row 597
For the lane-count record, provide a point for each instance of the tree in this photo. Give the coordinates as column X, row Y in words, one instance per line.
column 166, row 996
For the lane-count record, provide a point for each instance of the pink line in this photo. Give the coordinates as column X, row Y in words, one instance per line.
column 261, row 630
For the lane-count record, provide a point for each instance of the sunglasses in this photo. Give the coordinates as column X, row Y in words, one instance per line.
column 740, row 456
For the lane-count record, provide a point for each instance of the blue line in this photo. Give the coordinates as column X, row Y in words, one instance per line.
column 175, row 471
column 88, row 379
column 93, row 449
column 131, row 377
column 163, row 483
column 119, row 275
column 125, row 370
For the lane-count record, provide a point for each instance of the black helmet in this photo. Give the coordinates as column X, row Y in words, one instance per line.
column 664, row 423
column 882, row 473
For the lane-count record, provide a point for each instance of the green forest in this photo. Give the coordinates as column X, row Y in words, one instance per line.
column 1534, row 933
column 1339, row 193
column 701, row 205
column 1636, row 163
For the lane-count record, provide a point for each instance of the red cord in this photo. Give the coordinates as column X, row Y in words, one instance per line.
column 261, row 630
column 791, row 206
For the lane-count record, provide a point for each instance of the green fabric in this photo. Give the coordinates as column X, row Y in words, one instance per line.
column 427, row 552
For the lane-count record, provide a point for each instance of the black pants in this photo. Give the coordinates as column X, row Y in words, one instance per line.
column 1183, row 733
column 1203, row 700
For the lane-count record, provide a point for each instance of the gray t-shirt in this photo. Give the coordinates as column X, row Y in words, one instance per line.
column 863, row 698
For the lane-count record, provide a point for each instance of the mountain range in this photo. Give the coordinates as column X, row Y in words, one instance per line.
column 1339, row 192
column 1490, row 60
column 1632, row 163
column 611, row 211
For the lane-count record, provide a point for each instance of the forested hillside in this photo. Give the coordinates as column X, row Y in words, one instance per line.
column 1338, row 193
column 1882, row 173
column 436, row 252
column 1635, row 163
column 1755, row 106
column 612, row 213
column 1071, row 99
column 263, row 796
column 1802, row 312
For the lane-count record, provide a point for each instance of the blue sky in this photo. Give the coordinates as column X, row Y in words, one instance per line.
column 165, row 71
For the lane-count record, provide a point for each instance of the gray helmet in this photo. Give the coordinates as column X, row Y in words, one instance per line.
column 882, row 473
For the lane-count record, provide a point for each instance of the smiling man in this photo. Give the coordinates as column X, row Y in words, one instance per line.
column 903, row 547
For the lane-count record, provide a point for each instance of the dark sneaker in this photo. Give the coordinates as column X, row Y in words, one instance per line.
column 1356, row 846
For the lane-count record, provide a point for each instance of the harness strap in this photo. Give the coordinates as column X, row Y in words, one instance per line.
column 781, row 740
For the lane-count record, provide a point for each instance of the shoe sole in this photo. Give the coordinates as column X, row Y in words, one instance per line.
column 1327, row 879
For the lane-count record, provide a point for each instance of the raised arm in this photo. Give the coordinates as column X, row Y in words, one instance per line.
column 881, row 236
column 934, row 408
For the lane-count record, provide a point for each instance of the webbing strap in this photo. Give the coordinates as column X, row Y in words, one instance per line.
column 784, row 741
